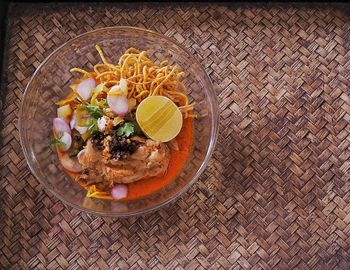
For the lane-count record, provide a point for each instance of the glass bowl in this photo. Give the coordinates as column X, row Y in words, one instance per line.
column 50, row 83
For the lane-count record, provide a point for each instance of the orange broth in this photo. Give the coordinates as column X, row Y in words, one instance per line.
column 177, row 161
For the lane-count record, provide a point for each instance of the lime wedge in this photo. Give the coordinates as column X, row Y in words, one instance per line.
column 159, row 118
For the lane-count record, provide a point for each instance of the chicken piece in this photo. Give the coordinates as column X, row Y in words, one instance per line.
column 89, row 155
column 150, row 159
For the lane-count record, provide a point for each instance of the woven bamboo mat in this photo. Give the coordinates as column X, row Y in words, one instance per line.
column 276, row 192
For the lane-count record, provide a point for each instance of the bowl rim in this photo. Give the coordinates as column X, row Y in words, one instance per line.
column 214, row 130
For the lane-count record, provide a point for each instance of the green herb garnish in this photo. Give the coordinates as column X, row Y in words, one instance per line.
column 127, row 129
column 93, row 126
column 94, row 111
column 55, row 142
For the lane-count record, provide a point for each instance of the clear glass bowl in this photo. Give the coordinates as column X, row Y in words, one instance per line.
column 50, row 84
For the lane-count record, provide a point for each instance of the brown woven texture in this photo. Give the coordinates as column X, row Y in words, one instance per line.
column 276, row 192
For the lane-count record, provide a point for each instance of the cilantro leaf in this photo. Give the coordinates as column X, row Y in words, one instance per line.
column 55, row 142
column 93, row 126
column 94, row 111
column 126, row 129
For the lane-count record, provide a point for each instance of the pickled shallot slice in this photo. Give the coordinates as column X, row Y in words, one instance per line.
column 118, row 104
column 60, row 126
column 119, row 191
column 66, row 142
column 85, row 88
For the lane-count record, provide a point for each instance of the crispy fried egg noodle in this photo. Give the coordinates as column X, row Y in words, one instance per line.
column 144, row 78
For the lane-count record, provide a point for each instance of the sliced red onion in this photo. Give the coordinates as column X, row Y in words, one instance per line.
column 85, row 87
column 73, row 121
column 119, row 191
column 70, row 164
column 66, row 140
column 123, row 87
column 60, row 126
column 101, row 123
column 123, row 84
column 115, row 88
column 118, row 104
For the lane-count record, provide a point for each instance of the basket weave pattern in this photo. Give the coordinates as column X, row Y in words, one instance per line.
column 276, row 193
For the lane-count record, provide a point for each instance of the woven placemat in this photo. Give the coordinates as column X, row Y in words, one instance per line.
column 276, row 192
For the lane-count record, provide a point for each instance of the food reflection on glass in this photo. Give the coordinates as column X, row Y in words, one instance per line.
column 125, row 129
